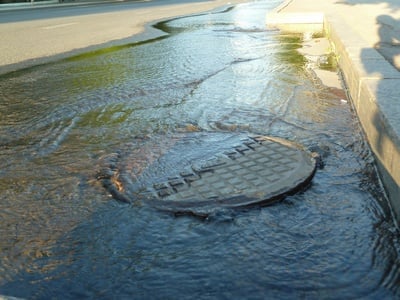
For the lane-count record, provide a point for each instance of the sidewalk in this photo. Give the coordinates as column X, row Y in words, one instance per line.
column 365, row 35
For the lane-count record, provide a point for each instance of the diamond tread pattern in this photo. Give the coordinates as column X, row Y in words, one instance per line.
column 258, row 168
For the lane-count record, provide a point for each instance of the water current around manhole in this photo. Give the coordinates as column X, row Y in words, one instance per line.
column 62, row 234
column 205, row 171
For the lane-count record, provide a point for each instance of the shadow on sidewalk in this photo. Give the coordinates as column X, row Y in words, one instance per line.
column 378, row 111
column 389, row 39
column 392, row 4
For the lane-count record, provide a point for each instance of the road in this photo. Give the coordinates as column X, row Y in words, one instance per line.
column 80, row 8
column 38, row 35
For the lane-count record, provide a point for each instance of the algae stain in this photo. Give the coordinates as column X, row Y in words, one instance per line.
column 328, row 62
column 287, row 53
column 110, row 115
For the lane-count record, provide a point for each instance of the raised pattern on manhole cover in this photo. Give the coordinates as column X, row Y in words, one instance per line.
column 253, row 170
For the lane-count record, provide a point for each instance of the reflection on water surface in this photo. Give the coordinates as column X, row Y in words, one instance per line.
column 62, row 234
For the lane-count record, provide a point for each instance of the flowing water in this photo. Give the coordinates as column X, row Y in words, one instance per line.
column 64, row 236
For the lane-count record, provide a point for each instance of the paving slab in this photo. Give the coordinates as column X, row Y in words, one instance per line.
column 365, row 36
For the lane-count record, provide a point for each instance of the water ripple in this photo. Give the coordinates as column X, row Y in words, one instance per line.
column 218, row 71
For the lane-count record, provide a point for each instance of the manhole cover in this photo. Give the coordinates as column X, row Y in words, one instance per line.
column 199, row 172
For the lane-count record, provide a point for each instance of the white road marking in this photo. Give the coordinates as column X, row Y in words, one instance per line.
column 59, row 25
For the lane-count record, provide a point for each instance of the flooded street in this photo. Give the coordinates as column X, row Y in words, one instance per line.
column 64, row 236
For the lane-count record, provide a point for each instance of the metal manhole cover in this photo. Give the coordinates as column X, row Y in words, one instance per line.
column 198, row 172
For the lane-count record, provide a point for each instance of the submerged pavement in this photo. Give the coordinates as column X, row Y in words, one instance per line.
column 365, row 36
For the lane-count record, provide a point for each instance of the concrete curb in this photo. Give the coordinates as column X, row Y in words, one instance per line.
column 372, row 83
column 297, row 22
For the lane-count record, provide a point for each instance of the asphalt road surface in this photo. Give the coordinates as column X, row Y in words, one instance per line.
column 41, row 34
